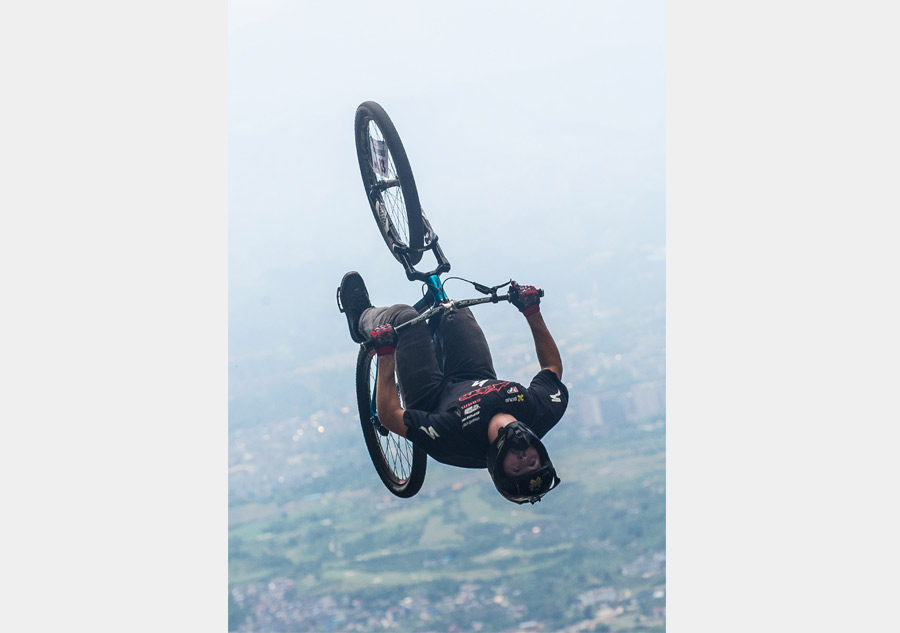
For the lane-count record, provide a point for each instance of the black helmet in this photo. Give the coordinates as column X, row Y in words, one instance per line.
column 531, row 486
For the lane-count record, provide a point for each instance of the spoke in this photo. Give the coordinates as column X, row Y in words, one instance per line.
column 391, row 192
column 397, row 451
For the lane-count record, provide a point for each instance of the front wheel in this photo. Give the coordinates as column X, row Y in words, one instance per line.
column 389, row 183
column 399, row 463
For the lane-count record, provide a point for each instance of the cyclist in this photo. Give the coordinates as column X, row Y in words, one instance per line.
column 456, row 408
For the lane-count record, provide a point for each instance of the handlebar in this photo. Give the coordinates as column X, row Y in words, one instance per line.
column 447, row 306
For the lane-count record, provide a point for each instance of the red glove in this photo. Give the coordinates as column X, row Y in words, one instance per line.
column 525, row 298
column 384, row 339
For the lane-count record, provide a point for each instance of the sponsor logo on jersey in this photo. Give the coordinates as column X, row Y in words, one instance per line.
column 519, row 398
column 472, row 413
column 484, row 390
column 467, row 421
column 513, row 389
column 555, row 397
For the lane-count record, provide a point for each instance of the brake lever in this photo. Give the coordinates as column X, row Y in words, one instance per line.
column 492, row 291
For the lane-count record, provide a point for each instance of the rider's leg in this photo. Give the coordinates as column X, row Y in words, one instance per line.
column 465, row 350
column 419, row 377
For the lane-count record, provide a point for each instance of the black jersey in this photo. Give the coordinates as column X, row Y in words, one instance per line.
column 456, row 433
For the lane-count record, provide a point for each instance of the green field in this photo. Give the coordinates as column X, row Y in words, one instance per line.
column 369, row 550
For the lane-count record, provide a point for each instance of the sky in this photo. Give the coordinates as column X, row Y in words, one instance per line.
column 536, row 134
column 122, row 124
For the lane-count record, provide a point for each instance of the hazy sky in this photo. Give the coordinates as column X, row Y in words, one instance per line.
column 535, row 131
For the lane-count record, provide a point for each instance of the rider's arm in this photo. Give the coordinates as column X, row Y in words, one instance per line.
column 544, row 345
column 528, row 301
column 387, row 402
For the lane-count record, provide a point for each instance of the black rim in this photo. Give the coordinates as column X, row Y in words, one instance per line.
column 389, row 182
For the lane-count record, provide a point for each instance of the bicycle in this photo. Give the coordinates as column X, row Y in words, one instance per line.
column 394, row 202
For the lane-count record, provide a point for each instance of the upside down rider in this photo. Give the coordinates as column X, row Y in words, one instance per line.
column 457, row 410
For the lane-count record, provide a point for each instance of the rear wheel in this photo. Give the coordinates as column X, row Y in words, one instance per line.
column 389, row 183
column 400, row 464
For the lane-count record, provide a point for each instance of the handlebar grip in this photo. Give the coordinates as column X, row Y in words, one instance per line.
column 369, row 344
column 506, row 296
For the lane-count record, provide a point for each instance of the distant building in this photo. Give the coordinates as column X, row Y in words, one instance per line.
column 592, row 597
column 645, row 565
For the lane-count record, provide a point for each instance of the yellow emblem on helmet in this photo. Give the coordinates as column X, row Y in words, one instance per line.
column 534, row 484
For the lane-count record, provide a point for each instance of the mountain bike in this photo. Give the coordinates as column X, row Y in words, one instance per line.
column 394, row 201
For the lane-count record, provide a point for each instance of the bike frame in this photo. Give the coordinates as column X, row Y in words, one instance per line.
column 435, row 301
column 431, row 278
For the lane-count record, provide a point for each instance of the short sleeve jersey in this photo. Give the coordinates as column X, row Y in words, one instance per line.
column 456, row 433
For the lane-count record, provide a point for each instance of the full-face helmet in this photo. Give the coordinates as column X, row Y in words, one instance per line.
column 531, row 486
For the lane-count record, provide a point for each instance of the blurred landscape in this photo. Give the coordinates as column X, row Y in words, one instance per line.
column 317, row 544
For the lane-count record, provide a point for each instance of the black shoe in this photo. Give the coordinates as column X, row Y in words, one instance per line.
column 353, row 299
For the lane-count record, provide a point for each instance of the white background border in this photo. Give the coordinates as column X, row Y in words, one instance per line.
column 782, row 337
column 114, row 328
column 782, row 316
